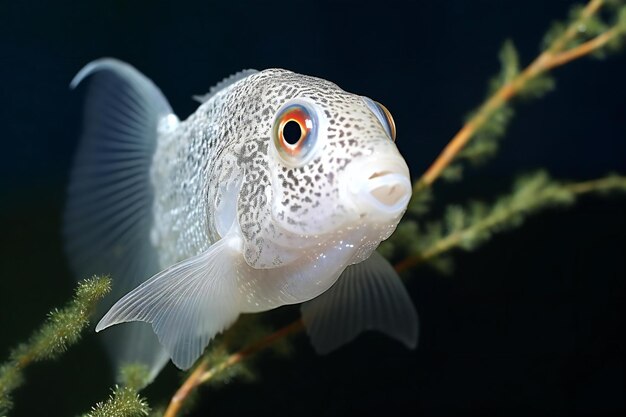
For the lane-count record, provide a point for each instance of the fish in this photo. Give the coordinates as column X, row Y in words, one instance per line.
column 277, row 190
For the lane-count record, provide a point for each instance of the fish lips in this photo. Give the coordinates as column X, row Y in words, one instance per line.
column 379, row 189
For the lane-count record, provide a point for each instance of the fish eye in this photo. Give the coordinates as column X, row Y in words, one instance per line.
column 384, row 117
column 292, row 132
column 295, row 133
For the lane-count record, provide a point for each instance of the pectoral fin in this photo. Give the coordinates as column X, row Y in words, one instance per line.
column 367, row 296
column 187, row 304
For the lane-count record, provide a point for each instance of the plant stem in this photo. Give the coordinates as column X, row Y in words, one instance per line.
column 201, row 374
column 551, row 58
column 183, row 392
column 583, row 49
column 237, row 357
column 597, row 185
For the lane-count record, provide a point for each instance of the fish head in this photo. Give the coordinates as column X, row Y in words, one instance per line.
column 334, row 173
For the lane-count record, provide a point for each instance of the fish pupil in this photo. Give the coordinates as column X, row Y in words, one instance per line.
column 292, row 132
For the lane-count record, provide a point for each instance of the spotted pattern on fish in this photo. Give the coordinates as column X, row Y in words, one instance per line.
column 201, row 154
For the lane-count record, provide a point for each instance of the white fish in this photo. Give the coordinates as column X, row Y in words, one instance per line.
column 277, row 190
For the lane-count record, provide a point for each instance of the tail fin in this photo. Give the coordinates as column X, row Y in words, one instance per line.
column 108, row 216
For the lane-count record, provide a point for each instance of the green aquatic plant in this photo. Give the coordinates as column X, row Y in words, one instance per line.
column 596, row 29
column 62, row 329
column 467, row 227
column 125, row 399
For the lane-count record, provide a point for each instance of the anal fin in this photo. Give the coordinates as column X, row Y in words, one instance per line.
column 367, row 296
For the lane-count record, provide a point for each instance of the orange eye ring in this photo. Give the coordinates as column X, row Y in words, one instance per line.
column 390, row 122
column 294, row 132
column 384, row 117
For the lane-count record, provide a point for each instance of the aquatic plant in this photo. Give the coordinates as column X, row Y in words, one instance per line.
column 596, row 29
column 61, row 330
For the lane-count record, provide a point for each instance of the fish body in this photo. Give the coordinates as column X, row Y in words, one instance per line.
column 276, row 190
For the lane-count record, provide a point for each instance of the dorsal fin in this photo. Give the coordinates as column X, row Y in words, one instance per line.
column 232, row 79
column 108, row 215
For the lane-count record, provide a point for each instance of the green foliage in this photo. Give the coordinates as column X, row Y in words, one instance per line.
column 485, row 142
column 611, row 184
column 574, row 31
column 555, row 32
column 249, row 328
column 537, row 86
column 509, row 67
column 11, row 377
column 467, row 227
column 562, row 36
column 616, row 43
column 226, row 374
column 62, row 329
column 484, row 145
column 453, row 173
column 578, row 29
column 123, row 402
column 135, row 376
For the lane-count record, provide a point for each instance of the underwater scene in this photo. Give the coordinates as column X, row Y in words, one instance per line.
column 412, row 208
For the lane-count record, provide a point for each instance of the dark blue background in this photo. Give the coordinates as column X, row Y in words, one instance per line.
column 532, row 323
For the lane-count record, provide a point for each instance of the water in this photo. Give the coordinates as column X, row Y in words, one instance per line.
column 530, row 323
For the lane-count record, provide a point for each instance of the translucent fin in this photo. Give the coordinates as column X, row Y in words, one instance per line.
column 223, row 84
column 108, row 216
column 367, row 296
column 187, row 304
column 136, row 343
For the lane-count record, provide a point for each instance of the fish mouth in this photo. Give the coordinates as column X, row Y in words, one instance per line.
column 380, row 188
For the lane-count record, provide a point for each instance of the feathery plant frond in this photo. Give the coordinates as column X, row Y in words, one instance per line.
column 610, row 29
column 134, row 375
column 467, row 227
column 62, row 329
column 123, row 402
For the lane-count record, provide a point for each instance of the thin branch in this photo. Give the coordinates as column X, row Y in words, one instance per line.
column 243, row 354
column 203, row 373
column 583, row 49
column 547, row 60
column 597, row 186
column 570, row 33
column 187, row 388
